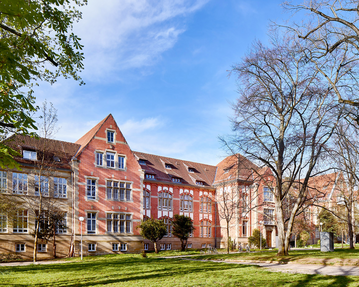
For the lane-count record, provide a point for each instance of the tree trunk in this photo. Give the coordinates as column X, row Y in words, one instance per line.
column 155, row 245
column 281, row 232
column 183, row 244
column 54, row 242
column 353, row 224
column 295, row 240
column 227, row 237
column 350, row 230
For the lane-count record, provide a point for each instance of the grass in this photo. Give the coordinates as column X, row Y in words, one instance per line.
column 133, row 270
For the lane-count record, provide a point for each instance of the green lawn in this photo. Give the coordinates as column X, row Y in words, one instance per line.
column 133, row 270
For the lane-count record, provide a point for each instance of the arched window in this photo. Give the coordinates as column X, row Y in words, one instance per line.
column 146, row 200
column 165, row 201
column 206, row 228
column 206, row 205
column 186, row 202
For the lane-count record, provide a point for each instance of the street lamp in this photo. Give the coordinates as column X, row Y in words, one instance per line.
column 81, row 220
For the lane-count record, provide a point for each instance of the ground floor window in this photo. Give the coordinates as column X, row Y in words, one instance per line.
column 206, row 228
column 162, row 246
column 41, row 248
column 169, row 246
column 20, row 247
column 91, row 247
column 204, row 245
column 123, row 246
column 189, row 245
column 145, row 246
column 115, row 246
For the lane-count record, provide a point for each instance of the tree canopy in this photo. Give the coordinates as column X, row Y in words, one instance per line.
column 153, row 230
column 36, row 44
column 182, row 227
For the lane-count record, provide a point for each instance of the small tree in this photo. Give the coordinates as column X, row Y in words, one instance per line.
column 153, row 230
column 256, row 238
column 304, row 236
column 329, row 221
column 182, row 227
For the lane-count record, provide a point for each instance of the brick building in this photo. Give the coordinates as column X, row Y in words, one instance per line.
column 113, row 188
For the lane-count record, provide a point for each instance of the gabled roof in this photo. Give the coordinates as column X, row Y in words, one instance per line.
column 323, row 185
column 86, row 138
column 155, row 165
column 235, row 167
column 64, row 151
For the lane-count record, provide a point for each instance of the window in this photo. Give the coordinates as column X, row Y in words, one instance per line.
column 3, row 223
column 145, row 246
column 204, row 245
column 267, row 194
column 200, row 183
column 168, row 166
column 121, row 162
column 244, row 228
column 205, row 228
column 162, row 246
column 123, row 246
column 169, row 246
column 150, row 176
column 19, row 183
column 206, row 205
column 115, row 246
column 186, row 202
column 146, row 200
column 112, row 222
column 268, row 216
column 20, row 224
column 190, row 169
column 91, row 247
column 176, row 179
column 91, row 223
column 245, row 203
column 27, row 154
column 112, row 190
column 110, row 136
column 61, row 227
column 110, row 159
column 165, row 201
column 142, row 162
column 20, row 247
column 60, row 187
column 125, row 191
column 3, row 181
column 125, row 223
column 41, row 248
column 168, row 224
column 99, row 158
column 42, row 186
column 189, row 245
column 91, row 189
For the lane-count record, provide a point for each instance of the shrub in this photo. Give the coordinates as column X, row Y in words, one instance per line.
column 255, row 239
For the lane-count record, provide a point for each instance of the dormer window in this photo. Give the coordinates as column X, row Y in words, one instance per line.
column 200, row 183
column 176, row 179
column 110, row 136
column 142, row 162
column 150, row 176
column 168, row 166
column 28, row 154
column 190, row 169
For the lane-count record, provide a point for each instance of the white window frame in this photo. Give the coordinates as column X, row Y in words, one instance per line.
column 269, row 215
column 29, row 154
column 91, row 189
column 203, row 245
column 110, row 159
column 19, row 183
column 186, row 202
column 115, row 246
column 60, row 187
column 169, row 246
column 125, row 220
column 146, row 199
column 123, row 247
column 176, row 179
column 245, row 228
column 145, row 246
column 99, row 158
column 162, row 246
column 165, row 201
column 150, row 176
column 21, row 222
column 91, row 221
column 3, row 223
column 20, row 247
column 41, row 185
column 108, row 132
column 189, row 245
column 41, row 247
column 64, row 223
column 267, row 194
column 121, row 164
column 113, row 222
column 3, row 181
column 205, row 204
column 91, row 247
column 167, row 221
column 205, row 228
column 112, row 190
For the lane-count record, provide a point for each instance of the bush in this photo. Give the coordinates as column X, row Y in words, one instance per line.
column 255, row 239
column 231, row 243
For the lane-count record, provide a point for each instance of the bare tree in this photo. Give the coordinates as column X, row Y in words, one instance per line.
column 284, row 119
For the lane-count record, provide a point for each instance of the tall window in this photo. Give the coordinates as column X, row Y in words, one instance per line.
column 125, row 223
column 121, row 162
column 268, row 216
column 60, row 187
column 244, row 228
column 91, row 189
column 19, row 183
column 3, row 181
column 267, row 194
column 110, row 159
column 112, row 190
column 61, row 227
column 3, row 223
column 206, row 228
column 41, row 185
column 168, row 224
column 146, row 200
column 112, row 222
column 206, row 205
column 99, row 158
column 125, row 191
column 91, row 222
column 20, row 224
column 110, row 136
column 165, row 201
column 186, row 202
column 245, row 203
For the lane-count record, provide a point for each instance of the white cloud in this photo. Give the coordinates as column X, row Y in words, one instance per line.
column 119, row 35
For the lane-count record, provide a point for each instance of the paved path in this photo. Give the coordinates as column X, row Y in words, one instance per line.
column 37, row 263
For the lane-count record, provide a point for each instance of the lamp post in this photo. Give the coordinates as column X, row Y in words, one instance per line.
column 321, row 226
column 81, row 220
column 260, row 236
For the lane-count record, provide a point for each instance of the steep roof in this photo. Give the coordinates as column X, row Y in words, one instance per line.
column 56, row 153
column 323, row 185
column 189, row 172
column 86, row 138
column 235, row 167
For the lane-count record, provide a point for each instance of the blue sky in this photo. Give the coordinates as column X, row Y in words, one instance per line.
column 162, row 69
